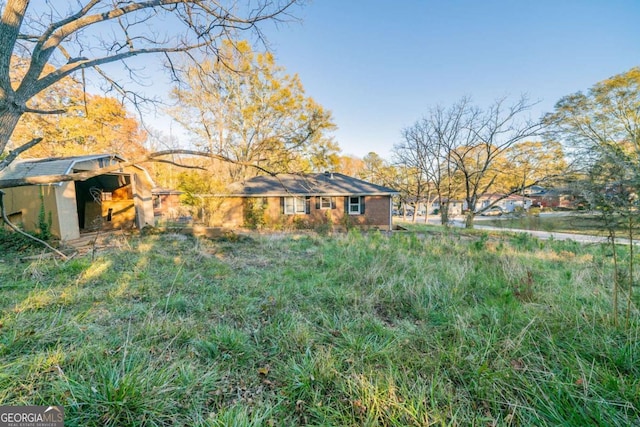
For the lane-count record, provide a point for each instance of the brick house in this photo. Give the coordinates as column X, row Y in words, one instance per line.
column 306, row 201
column 166, row 202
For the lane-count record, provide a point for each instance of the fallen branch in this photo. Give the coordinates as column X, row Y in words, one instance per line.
column 151, row 157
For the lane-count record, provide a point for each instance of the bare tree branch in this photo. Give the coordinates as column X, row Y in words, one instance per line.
column 180, row 165
column 64, row 42
column 15, row 153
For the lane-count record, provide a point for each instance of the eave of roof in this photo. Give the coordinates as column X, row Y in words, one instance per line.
column 327, row 184
column 26, row 168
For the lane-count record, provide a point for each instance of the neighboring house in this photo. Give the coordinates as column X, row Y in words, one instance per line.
column 557, row 199
column 114, row 200
column 166, row 202
column 306, row 201
column 534, row 190
column 506, row 204
column 456, row 207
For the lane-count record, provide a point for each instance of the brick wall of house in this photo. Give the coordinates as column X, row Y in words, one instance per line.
column 166, row 204
column 226, row 212
column 377, row 213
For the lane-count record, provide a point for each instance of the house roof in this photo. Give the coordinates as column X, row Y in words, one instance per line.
column 160, row 190
column 329, row 184
column 26, row 168
column 492, row 196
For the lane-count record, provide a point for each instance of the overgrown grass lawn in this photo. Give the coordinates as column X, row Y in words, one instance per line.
column 351, row 330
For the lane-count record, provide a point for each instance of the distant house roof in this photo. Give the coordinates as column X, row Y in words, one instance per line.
column 26, row 168
column 168, row 191
column 326, row 184
column 492, row 196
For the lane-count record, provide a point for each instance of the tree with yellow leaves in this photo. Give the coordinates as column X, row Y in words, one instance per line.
column 601, row 128
column 246, row 108
column 90, row 124
column 76, row 39
column 602, row 125
column 531, row 163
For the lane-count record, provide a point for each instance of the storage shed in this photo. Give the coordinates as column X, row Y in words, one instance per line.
column 119, row 199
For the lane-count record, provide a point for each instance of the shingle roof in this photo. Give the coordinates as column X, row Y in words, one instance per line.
column 27, row 168
column 160, row 190
column 329, row 184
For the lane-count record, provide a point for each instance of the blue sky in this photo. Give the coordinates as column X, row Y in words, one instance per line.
column 380, row 65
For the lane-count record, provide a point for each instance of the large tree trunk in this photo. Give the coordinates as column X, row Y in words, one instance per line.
column 468, row 219
column 9, row 118
column 444, row 212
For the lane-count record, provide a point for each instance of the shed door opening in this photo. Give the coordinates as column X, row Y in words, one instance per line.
column 105, row 202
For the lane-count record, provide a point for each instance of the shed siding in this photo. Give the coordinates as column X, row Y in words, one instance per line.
column 142, row 199
column 66, row 211
column 26, row 201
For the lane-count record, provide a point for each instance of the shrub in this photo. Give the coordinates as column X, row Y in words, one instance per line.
column 44, row 221
column 325, row 226
column 254, row 213
column 301, row 223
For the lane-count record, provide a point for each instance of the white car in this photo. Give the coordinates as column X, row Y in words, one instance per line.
column 494, row 211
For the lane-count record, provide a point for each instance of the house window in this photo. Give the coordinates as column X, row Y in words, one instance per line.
column 325, row 202
column 354, row 206
column 295, row 205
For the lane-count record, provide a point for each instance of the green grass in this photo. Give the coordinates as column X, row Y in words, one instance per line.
column 438, row 328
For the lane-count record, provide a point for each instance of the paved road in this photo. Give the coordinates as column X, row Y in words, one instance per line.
column 581, row 238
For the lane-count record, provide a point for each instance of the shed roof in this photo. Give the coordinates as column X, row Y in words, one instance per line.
column 329, row 184
column 26, row 168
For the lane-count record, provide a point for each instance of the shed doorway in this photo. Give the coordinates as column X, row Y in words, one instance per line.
column 105, row 202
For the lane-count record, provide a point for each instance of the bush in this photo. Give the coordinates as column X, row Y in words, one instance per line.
column 301, row 223
column 518, row 212
column 325, row 226
column 44, row 221
column 254, row 213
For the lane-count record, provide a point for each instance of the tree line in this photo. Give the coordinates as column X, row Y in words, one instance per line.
column 247, row 116
column 588, row 146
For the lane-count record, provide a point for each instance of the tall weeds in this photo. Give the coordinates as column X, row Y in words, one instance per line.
column 356, row 329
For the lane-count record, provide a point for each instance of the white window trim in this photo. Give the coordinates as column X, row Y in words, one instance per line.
column 324, row 199
column 299, row 205
column 359, row 205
